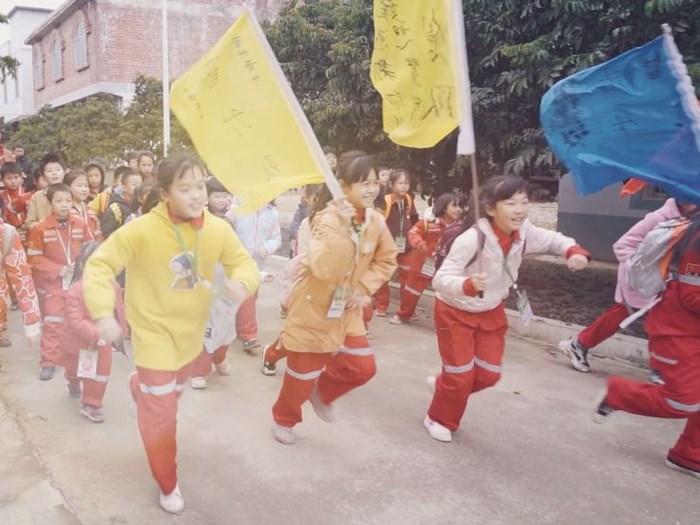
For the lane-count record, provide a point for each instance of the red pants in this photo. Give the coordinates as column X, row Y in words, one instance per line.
column 605, row 326
column 53, row 312
column 382, row 297
column 353, row 366
column 411, row 291
column 201, row 367
column 246, row 322
column 156, row 393
column 678, row 361
column 471, row 359
column 93, row 389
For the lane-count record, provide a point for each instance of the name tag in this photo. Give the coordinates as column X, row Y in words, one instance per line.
column 340, row 300
column 401, row 244
column 428, row 268
column 524, row 307
column 87, row 363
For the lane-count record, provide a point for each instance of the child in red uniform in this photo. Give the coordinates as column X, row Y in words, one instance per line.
column 52, row 247
column 423, row 239
column 470, row 327
column 673, row 326
column 14, row 197
column 83, row 336
column 78, row 182
column 400, row 214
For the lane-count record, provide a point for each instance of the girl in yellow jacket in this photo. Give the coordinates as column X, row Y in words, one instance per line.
column 169, row 255
column 351, row 254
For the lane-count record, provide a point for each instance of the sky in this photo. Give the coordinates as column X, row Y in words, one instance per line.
column 7, row 5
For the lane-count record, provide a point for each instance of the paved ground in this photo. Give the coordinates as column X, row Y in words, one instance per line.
column 528, row 452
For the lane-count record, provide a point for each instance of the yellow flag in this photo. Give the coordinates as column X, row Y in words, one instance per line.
column 245, row 121
column 413, row 68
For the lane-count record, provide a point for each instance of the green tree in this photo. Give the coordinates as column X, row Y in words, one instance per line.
column 8, row 64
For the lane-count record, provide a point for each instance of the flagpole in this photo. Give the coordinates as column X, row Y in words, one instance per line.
column 166, row 81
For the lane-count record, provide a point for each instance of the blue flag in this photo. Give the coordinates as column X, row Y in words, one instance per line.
column 634, row 116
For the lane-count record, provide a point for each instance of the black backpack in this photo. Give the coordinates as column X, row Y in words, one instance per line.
column 448, row 238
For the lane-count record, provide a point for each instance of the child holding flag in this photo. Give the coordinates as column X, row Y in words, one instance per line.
column 167, row 301
column 351, row 254
column 471, row 327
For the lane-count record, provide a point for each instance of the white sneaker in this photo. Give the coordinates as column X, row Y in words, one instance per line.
column 431, row 380
column 324, row 411
column 173, row 503
column 396, row 320
column 284, row 435
column 437, row 431
column 222, row 368
column 198, row 383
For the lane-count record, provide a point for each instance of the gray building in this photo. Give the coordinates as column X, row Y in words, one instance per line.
column 596, row 221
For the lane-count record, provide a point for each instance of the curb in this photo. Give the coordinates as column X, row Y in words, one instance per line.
column 549, row 331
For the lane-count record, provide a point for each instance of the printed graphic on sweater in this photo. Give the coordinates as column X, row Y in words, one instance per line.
column 185, row 278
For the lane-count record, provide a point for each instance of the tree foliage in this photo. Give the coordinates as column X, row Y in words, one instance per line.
column 8, row 64
column 517, row 50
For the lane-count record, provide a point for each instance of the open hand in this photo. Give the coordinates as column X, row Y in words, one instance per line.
column 358, row 300
column 236, row 291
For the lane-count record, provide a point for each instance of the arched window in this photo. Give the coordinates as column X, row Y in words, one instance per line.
column 80, row 43
column 38, row 68
column 57, row 59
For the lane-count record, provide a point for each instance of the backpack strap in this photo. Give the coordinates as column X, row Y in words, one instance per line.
column 117, row 211
column 480, row 241
column 8, row 235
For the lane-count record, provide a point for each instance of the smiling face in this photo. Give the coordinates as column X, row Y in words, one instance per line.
column 80, row 189
column 453, row 212
column 509, row 214
column 187, row 196
column 362, row 194
column 53, row 173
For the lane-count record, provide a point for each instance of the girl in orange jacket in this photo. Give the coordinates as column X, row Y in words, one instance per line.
column 78, row 182
column 351, row 254
column 423, row 239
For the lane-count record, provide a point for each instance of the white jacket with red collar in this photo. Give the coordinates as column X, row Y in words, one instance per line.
column 450, row 279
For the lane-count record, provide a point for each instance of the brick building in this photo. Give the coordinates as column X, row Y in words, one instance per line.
column 100, row 46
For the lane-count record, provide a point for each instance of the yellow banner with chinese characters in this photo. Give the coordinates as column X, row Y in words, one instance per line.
column 245, row 121
column 413, row 69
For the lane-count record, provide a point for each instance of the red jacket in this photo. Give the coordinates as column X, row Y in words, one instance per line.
column 45, row 250
column 89, row 217
column 678, row 313
column 82, row 330
column 14, row 205
column 423, row 238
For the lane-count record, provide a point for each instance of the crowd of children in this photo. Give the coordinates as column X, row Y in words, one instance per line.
column 182, row 300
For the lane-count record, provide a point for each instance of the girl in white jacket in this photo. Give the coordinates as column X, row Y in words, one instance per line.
column 471, row 285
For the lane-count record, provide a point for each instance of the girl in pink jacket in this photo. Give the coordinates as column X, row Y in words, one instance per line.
column 471, row 285
column 627, row 301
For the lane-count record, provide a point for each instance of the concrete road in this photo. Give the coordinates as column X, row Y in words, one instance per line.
column 528, row 452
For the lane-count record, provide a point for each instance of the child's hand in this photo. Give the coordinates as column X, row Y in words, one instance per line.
column 577, row 262
column 267, row 278
column 479, row 281
column 236, row 291
column 344, row 210
column 358, row 300
column 109, row 329
column 423, row 248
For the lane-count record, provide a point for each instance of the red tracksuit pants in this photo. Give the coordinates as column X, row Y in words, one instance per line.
column 411, row 290
column 93, row 389
column 678, row 361
column 201, row 367
column 382, row 297
column 246, row 321
column 471, row 349
column 605, row 326
column 53, row 312
column 336, row 374
column 156, row 393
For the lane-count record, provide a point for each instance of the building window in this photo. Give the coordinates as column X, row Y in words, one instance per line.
column 38, row 68
column 57, row 59
column 80, row 45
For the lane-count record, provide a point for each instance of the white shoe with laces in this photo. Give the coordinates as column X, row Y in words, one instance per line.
column 437, row 431
column 323, row 411
column 222, row 368
column 172, row 503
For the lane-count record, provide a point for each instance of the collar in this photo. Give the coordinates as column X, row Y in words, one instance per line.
column 502, row 236
column 197, row 223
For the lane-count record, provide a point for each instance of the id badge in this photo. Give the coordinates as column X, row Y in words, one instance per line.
column 524, row 308
column 87, row 363
column 428, row 268
column 340, row 299
column 401, row 243
column 68, row 278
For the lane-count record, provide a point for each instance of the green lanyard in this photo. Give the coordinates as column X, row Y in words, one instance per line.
column 194, row 261
column 401, row 205
column 506, row 269
column 357, row 237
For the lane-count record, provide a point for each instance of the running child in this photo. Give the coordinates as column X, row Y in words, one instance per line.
column 350, row 255
column 78, row 182
column 169, row 255
column 51, row 170
column 470, row 327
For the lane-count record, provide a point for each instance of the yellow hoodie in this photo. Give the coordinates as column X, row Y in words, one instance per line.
column 165, row 306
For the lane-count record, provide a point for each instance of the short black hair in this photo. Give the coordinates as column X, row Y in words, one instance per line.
column 50, row 158
column 215, row 186
column 10, row 167
column 120, row 171
column 57, row 188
